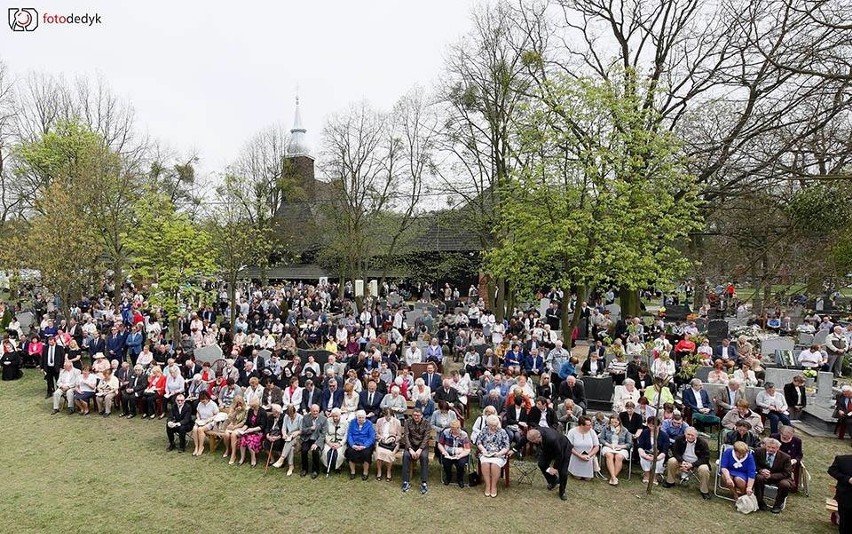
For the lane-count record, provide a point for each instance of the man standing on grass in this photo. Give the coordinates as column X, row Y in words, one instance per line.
column 52, row 362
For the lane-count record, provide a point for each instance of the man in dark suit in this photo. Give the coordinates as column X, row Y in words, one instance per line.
column 699, row 402
column 370, row 401
column 447, row 393
column 726, row 352
column 133, row 391
column 842, row 407
column 841, row 471
column 247, row 374
column 773, row 467
column 257, row 361
column 541, row 414
column 180, row 421
column 331, row 398
column 114, row 345
column 570, row 388
column 556, row 450
column 534, row 363
column 52, row 360
column 433, row 380
column 310, row 396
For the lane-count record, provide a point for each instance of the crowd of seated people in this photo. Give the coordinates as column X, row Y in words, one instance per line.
column 366, row 404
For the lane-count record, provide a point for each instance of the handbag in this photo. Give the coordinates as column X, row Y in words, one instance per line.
column 391, row 445
column 473, row 478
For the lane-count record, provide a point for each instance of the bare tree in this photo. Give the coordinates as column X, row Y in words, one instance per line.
column 361, row 157
column 485, row 85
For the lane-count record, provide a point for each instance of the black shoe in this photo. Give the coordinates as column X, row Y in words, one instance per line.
column 550, row 486
column 54, row 412
column 182, row 449
column 461, row 484
column 351, row 476
column 171, row 447
column 303, row 474
column 762, row 506
column 563, row 497
column 314, row 475
column 705, row 496
column 48, row 395
column 101, row 413
column 667, row 484
column 131, row 416
column 106, row 414
column 776, row 510
column 365, row 477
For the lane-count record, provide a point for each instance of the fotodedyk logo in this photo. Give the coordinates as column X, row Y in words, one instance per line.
column 26, row 19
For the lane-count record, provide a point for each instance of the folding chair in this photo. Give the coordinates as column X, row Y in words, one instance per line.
column 717, row 479
column 602, row 462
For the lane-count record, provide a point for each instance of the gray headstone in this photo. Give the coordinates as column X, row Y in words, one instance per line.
column 26, row 320
column 769, row 346
column 394, row 299
column 209, row 354
column 805, row 339
column 353, row 308
column 824, row 384
column 543, row 305
column 265, row 354
column 820, row 337
column 614, row 311
column 412, row 316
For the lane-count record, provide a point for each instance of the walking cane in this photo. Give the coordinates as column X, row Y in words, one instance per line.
column 330, row 459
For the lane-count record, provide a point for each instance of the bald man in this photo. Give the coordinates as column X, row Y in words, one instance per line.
column 556, row 450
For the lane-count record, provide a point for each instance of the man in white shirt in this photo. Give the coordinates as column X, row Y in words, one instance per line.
column 68, row 379
column 811, row 358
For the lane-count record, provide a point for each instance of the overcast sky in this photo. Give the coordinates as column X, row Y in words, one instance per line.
column 207, row 75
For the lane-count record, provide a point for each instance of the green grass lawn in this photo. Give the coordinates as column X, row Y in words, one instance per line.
column 68, row 473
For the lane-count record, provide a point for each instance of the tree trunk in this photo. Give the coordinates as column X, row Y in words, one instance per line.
column 500, row 304
column 629, row 302
column 569, row 321
column 232, row 296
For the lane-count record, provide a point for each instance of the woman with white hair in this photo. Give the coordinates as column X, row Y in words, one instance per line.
column 493, row 447
column 422, row 397
column 394, row 402
column 622, row 395
column 360, row 441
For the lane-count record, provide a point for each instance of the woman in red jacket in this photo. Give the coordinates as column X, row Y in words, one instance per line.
column 155, row 390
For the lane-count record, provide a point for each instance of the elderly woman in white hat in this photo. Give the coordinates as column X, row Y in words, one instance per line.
column 99, row 364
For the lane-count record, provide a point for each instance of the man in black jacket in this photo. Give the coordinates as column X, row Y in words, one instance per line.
column 555, row 449
column 541, row 414
column 180, row 421
column 570, row 388
column 132, row 392
column 52, row 360
column 690, row 454
column 841, row 470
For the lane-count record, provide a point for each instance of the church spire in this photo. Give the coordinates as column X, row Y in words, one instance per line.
column 298, row 143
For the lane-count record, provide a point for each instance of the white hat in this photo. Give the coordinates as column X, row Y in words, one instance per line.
column 98, row 356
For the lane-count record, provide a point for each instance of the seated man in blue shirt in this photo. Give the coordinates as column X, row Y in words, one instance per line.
column 674, row 427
